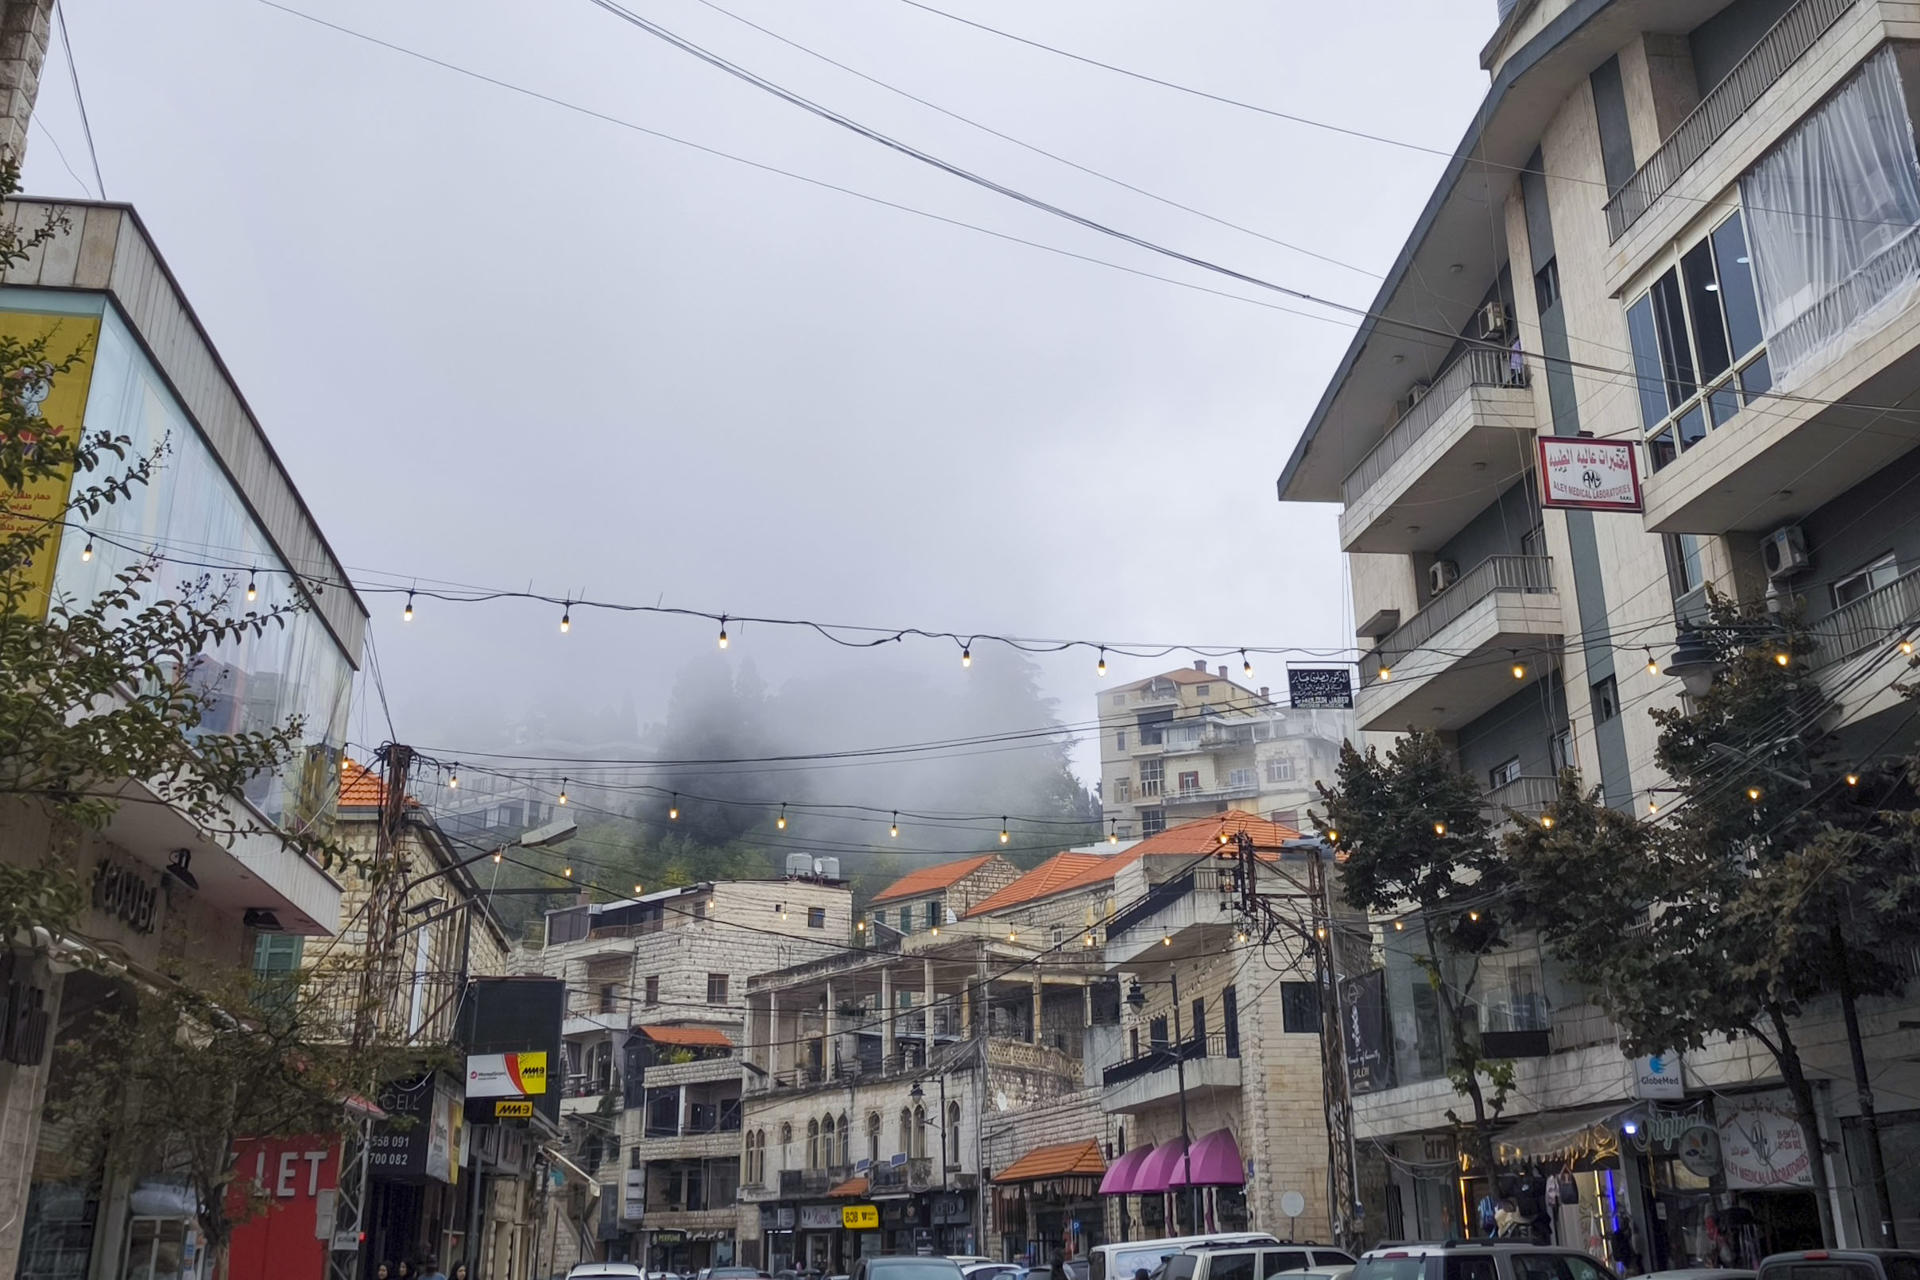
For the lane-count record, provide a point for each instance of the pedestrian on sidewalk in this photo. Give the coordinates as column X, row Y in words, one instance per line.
column 430, row 1270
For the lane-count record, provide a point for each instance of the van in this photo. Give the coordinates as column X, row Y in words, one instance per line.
column 1842, row 1264
column 1121, row 1261
column 1479, row 1260
column 1251, row 1261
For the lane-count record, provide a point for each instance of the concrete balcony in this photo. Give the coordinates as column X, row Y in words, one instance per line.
column 714, row 1144
column 727, row 1219
column 1861, row 637
column 1528, row 796
column 1210, row 798
column 700, row 1071
column 1453, row 661
column 1433, row 471
column 1154, row 1078
column 1177, row 920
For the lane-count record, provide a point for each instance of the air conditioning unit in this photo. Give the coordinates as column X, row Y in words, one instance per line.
column 1785, row 551
column 1441, row 574
column 1416, row 393
column 1493, row 320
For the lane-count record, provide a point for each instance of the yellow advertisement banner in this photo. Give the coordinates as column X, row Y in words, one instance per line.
column 513, row 1110
column 860, row 1217
column 60, row 400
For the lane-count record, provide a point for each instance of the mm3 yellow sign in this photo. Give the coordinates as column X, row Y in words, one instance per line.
column 860, row 1217
column 513, row 1110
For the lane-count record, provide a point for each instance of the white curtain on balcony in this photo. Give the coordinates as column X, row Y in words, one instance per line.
column 1831, row 215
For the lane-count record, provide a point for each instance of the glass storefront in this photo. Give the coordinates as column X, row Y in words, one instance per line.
column 192, row 512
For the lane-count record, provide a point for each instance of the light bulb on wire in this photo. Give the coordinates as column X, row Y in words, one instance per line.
column 781, row 821
column 673, row 808
column 723, row 631
column 406, row 614
column 453, row 778
column 1439, row 828
column 253, row 590
column 1653, row 668
column 894, row 830
column 1546, row 821
column 966, row 655
column 1782, row 657
column 1519, row 670
column 566, row 618
column 86, row 552
column 1906, row 646
column 1653, row 806
column 568, row 873
column 1853, row 779
column 1004, row 835
column 563, row 791
column 1113, row 833
column 1246, row 665
column 1386, row 672
column 1102, row 668
column 1753, row 794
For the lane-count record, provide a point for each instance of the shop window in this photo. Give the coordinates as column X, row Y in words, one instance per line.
column 1300, row 1008
column 1695, row 336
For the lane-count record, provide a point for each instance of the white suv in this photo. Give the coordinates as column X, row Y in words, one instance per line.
column 1478, row 1260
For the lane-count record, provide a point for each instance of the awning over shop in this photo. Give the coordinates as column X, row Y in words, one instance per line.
column 1158, row 1169
column 1561, row 1135
column 852, row 1188
column 1121, row 1177
column 1216, row 1163
column 688, row 1037
column 1066, row 1160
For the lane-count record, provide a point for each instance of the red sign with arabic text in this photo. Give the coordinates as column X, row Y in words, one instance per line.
column 1589, row 475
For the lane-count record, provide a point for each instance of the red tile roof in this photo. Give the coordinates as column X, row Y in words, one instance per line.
column 1182, row 675
column 1068, row 1160
column 360, row 787
column 930, row 879
column 1192, row 839
column 852, row 1188
column 692, row 1037
column 1043, row 881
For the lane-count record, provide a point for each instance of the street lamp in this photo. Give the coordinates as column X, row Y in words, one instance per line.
column 1137, row 1000
column 1694, row 663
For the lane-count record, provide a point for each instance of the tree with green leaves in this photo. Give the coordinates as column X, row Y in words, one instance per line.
column 1415, row 839
column 1779, row 874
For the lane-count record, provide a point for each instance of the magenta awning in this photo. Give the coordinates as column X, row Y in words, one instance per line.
column 1158, row 1170
column 1119, row 1179
column 1216, row 1163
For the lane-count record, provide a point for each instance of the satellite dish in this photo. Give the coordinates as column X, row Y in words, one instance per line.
column 1293, row 1204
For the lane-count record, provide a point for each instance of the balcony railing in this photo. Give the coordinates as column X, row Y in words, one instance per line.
column 1528, row 795
column 1724, row 104
column 1876, row 618
column 804, row 1182
column 1201, row 795
column 1480, row 367
column 1495, row 573
column 1216, row 1044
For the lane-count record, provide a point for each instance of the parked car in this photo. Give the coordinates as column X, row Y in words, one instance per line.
column 1481, row 1260
column 737, row 1273
column 993, row 1270
column 906, row 1266
column 1842, row 1264
column 606, row 1271
column 1121, row 1261
column 1702, row 1273
column 965, row 1260
column 1252, row 1261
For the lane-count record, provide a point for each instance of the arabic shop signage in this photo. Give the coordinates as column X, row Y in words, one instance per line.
column 1762, row 1144
column 1320, row 687
column 123, row 894
column 1591, row 475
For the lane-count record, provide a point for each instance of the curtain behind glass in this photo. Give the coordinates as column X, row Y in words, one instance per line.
column 1831, row 213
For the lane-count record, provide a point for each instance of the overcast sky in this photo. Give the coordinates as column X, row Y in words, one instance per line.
column 499, row 342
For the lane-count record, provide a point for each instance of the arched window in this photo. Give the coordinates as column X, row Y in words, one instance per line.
column 953, row 1129
column 842, row 1156
column 873, row 1137
column 760, row 1157
column 906, row 1132
column 813, row 1144
column 786, row 1135
column 919, row 1133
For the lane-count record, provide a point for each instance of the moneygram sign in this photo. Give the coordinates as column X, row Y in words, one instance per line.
column 506, row 1075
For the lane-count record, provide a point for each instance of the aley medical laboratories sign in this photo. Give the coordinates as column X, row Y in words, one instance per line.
column 1589, row 475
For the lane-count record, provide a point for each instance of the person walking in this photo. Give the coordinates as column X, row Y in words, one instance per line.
column 430, row 1270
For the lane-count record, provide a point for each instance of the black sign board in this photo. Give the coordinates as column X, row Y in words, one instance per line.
column 1311, row 688
column 1363, row 1022
column 515, row 1015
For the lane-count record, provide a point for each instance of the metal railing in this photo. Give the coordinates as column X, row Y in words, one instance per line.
column 804, row 1182
column 1479, row 367
column 1495, row 573
column 1228, row 791
column 1529, row 794
column 1875, row 618
column 1215, row 1044
column 1871, row 283
column 1724, row 104
column 1157, row 899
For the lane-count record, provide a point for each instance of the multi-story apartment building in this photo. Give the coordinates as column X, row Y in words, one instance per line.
column 869, row 1078
column 1189, row 742
column 657, row 999
column 166, row 887
column 1232, row 1018
column 933, row 896
column 1693, row 225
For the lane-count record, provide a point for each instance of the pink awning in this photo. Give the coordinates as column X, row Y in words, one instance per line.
column 1216, row 1163
column 1119, row 1179
column 1158, row 1170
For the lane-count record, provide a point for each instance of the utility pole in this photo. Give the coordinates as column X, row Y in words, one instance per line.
column 386, row 897
column 1311, row 897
